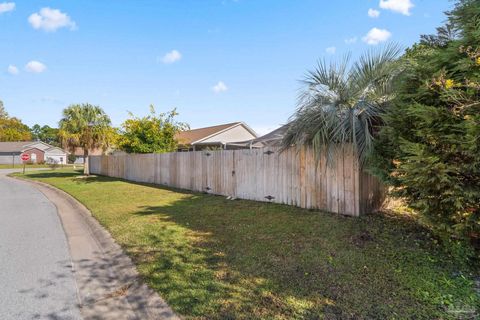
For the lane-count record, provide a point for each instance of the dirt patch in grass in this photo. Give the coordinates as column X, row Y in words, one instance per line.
column 213, row 258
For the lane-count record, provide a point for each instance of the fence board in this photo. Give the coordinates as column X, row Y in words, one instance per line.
column 293, row 176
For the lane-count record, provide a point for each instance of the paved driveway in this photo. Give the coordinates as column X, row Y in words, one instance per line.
column 36, row 280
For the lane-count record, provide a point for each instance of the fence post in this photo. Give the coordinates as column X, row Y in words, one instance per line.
column 294, row 177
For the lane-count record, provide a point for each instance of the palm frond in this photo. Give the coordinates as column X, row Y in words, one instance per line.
column 85, row 126
column 342, row 103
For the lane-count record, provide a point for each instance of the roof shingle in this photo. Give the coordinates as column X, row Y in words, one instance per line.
column 14, row 146
column 190, row 136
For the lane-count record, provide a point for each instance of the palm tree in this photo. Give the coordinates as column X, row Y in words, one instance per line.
column 87, row 127
column 343, row 103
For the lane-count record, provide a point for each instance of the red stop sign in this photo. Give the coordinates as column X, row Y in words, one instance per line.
column 25, row 157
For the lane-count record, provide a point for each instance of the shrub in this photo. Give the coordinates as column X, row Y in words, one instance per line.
column 153, row 133
column 52, row 163
column 429, row 150
column 71, row 158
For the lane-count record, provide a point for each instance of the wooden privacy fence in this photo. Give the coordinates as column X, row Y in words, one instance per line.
column 291, row 177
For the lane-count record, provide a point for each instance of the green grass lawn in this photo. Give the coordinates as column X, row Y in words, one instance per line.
column 213, row 258
column 20, row 166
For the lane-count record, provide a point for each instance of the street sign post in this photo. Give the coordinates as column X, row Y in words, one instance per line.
column 25, row 157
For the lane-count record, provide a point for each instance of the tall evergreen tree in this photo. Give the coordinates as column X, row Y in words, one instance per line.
column 430, row 148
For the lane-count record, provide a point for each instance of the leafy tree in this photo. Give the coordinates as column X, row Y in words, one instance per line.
column 36, row 130
column 12, row 129
column 153, row 133
column 429, row 150
column 85, row 126
column 46, row 134
column 3, row 113
column 344, row 105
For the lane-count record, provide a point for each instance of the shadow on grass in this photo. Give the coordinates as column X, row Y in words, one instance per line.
column 44, row 174
column 234, row 259
column 213, row 258
column 75, row 175
column 203, row 274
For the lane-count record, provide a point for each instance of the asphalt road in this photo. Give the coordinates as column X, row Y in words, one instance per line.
column 36, row 279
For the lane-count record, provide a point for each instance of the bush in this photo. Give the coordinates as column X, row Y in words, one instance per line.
column 71, row 158
column 153, row 133
column 429, row 151
column 52, row 163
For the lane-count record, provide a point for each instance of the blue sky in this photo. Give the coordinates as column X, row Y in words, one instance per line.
column 216, row 61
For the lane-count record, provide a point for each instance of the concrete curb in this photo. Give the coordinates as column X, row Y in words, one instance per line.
column 109, row 286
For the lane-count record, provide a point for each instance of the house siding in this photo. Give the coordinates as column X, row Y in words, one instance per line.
column 238, row 133
column 10, row 158
column 10, row 152
column 60, row 158
column 39, row 155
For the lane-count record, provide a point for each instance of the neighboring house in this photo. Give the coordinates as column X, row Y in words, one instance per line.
column 215, row 137
column 78, row 152
column 38, row 151
column 271, row 139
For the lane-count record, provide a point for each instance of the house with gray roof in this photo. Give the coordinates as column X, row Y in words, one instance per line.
column 271, row 139
column 214, row 137
column 39, row 152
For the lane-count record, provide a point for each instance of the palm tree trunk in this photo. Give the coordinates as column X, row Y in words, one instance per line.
column 86, row 169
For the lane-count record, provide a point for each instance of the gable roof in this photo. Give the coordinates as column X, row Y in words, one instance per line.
column 197, row 135
column 14, row 146
column 20, row 146
column 273, row 138
column 37, row 144
column 32, row 148
column 54, row 149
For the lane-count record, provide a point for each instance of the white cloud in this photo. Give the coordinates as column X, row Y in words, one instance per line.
column 331, row 50
column 372, row 13
column 171, row 57
column 12, row 69
column 351, row 40
column 400, row 6
column 220, row 87
column 50, row 20
column 35, row 67
column 7, row 6
column 375, row 36
column 49, row 99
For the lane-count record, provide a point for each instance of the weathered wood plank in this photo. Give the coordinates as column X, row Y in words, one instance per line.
column 349, row 181
column 293, row 176
column 339, row 162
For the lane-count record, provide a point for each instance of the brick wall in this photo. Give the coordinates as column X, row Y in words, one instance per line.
column 40, row 155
